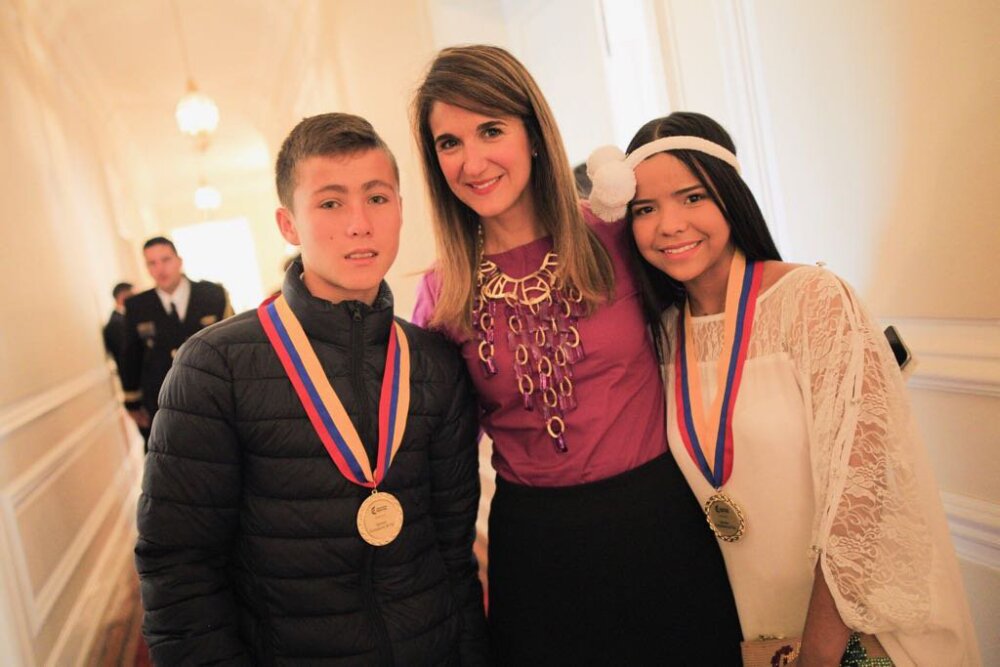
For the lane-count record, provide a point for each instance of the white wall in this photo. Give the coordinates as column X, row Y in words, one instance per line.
column 458, row 22
column 869, row 133
column 561, row 44
column 381, row 51
column 67, row 462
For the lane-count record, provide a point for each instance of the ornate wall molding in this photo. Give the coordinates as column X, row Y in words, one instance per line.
column 16, row 649
column 35, row 481
column 975, row 528
column 91, row 607
column 953, row 355
column 20, row 413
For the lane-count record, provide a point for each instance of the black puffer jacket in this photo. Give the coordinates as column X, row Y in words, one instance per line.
column 248, row 547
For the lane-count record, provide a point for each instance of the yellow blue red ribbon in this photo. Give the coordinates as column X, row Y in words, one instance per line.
column 709, row 438
column 326, row 413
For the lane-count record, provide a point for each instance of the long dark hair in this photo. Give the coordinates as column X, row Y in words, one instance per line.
column 747, row 227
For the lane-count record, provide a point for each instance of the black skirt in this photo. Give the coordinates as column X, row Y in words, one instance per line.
column 624, row 571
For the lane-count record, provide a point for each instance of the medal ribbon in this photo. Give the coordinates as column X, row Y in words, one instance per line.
column 325, row 411
column 709, row 438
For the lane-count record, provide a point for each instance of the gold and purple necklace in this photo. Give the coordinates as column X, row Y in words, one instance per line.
column 542, row 332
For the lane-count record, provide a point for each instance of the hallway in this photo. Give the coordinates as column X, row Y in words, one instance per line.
column 867, row 131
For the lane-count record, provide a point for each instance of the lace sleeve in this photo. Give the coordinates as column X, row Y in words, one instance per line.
column 869, row 530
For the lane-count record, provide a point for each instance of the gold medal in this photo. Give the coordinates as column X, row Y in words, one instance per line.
column 708, row 436
column 380, row 518
column 725, row 518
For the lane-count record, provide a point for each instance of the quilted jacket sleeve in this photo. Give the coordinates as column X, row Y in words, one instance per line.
column 454, row 505
column 188, row 516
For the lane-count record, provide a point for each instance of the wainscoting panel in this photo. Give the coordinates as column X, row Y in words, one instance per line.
column 975, row 529
column 27, row 410
column 55, row 509
column 68, row 475
column 78, row 632
column 953, row 355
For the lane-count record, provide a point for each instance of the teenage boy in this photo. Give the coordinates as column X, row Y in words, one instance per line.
column 312, row 482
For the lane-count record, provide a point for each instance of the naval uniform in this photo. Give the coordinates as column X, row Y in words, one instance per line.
column 152, row 336
column 114, row 336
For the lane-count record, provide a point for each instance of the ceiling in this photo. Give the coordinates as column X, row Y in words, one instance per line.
column 128, row 61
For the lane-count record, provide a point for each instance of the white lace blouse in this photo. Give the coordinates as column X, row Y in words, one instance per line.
column 828, row 465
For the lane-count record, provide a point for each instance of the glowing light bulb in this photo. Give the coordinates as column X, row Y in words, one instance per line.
column 196, row 113
column 207, row 198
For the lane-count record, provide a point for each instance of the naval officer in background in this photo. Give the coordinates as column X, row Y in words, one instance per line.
column 158, row 321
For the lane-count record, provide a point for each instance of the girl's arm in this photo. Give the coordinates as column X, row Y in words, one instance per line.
column 870, row 533
column 825, row 635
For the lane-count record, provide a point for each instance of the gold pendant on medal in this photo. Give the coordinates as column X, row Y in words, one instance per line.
column 725, row 518
column 380, row 518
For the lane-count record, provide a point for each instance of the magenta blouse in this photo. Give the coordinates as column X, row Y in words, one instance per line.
column 618, row 423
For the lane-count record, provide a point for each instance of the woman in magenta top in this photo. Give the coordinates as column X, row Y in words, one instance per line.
column 616, row 383
column 597, row 547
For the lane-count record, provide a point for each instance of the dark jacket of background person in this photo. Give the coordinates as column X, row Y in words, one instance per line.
column 248, row 545
column 152, row 339
column 114, row 336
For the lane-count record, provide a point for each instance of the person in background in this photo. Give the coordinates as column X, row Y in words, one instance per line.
column 114, row 331
column 312, row 482
column 788, row 416
column 157, row 322
column 583, row 184
column 597, row 548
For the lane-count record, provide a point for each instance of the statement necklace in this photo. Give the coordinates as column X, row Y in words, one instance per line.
column 541, row 315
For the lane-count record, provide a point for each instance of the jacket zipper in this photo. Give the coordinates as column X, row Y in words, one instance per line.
column 357, row 362
column 383, row 647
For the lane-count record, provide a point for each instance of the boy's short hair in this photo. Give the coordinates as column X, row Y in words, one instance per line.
column 159, row 240
column 327, row 134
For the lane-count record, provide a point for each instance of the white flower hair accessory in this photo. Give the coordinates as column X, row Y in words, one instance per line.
column 613, row 174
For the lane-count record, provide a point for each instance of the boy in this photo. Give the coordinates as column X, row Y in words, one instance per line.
column 311, row 485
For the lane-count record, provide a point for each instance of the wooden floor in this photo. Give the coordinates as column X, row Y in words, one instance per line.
column 119, row 643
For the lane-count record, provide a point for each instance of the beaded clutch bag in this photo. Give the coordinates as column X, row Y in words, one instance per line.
column 861, row 651
column 769, row 651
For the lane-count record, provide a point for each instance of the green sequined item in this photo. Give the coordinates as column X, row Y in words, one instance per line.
column 855, row 655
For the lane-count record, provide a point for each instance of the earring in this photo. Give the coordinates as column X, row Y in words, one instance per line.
column 534, row 153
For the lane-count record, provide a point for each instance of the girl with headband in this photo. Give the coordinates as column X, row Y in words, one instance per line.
column 788, row 416
column 597, row 548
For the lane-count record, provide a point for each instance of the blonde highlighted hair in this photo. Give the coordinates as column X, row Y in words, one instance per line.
column 490, row 81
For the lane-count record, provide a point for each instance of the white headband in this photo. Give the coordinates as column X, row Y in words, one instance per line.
column 613, row 175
